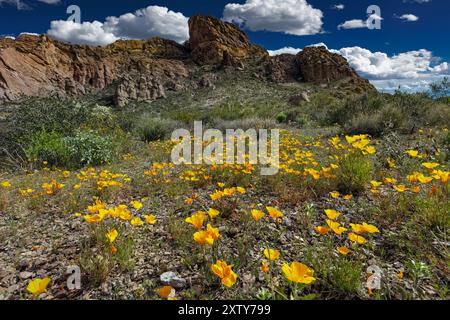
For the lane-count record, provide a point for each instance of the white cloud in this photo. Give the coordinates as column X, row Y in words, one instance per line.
column 359, row 23
column 292, row 50
column 412, row 70
column 289, row 50
column 296, row 17
column 142, row 24
column 353, row 24
column 91, row 33
column 409, row 17
column 443, row 68
column 338, row 7
column 149, row 22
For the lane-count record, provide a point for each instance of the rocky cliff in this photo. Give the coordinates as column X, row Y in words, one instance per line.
column 147, row 69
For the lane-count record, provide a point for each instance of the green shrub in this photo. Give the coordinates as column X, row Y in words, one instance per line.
column 103, row 117
column 282, row 117
column 49, row 114
column 47, row 146
column 89, row 148
column 154, row 129
column 376, row 123
column 354, row 173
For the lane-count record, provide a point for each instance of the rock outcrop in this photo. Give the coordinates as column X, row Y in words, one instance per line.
column 216, row 42
column 147, row 69
column 318, row 65
column 151, row 81
column 39, row 65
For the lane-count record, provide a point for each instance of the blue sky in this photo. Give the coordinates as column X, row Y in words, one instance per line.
column 411, row 48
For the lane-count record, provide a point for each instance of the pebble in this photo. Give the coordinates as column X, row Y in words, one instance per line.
column 173, row 279
column 26, row 275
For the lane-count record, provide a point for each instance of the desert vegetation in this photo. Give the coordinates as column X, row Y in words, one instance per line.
column 363, row 181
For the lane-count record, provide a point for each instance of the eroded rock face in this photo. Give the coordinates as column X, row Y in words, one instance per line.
column 39, row 65
column 151, row 82
column 318, row 65
column 282, row 68
column 216, row 42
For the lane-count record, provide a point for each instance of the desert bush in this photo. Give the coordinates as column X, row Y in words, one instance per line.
column 47, row 146
column 354, row 173
column 154, row 129
column 282, row 117
column 378, row 122
column 83, row 148
column 47, row 114
column 89, row 148
column 102, row 116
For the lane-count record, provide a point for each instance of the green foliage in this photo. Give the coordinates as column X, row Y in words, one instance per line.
column 83, row 148
column 47, row 146
column 281, row 117
column 154, row 129
column 339, row 275
column 48, row 114
column 89, row 148
column 354, row 173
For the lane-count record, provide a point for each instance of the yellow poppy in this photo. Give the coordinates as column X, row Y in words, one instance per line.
column 332, row 214
column 225, row 273
column 355, row 238
column 335, row 194
column 150, row 219
column 274, row 213
column 272, row 254
column 322, row 230
column 213, row 213
column 165, row 292
column 336, row 227
column 38, row 286
column 343, row 250
column 298, row 272
column 136, row 204
column 196, row 219
column 112, row 235
column 136, row 222
column 257, row 214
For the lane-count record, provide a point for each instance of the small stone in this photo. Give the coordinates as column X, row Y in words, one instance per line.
column 25, row 275
column 173, row 279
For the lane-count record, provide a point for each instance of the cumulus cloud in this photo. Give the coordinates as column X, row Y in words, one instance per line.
column 149, row 22
column 91, row 33
column 296, row 17
column 409, row 17
column 142, row 24
column 412, row 70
